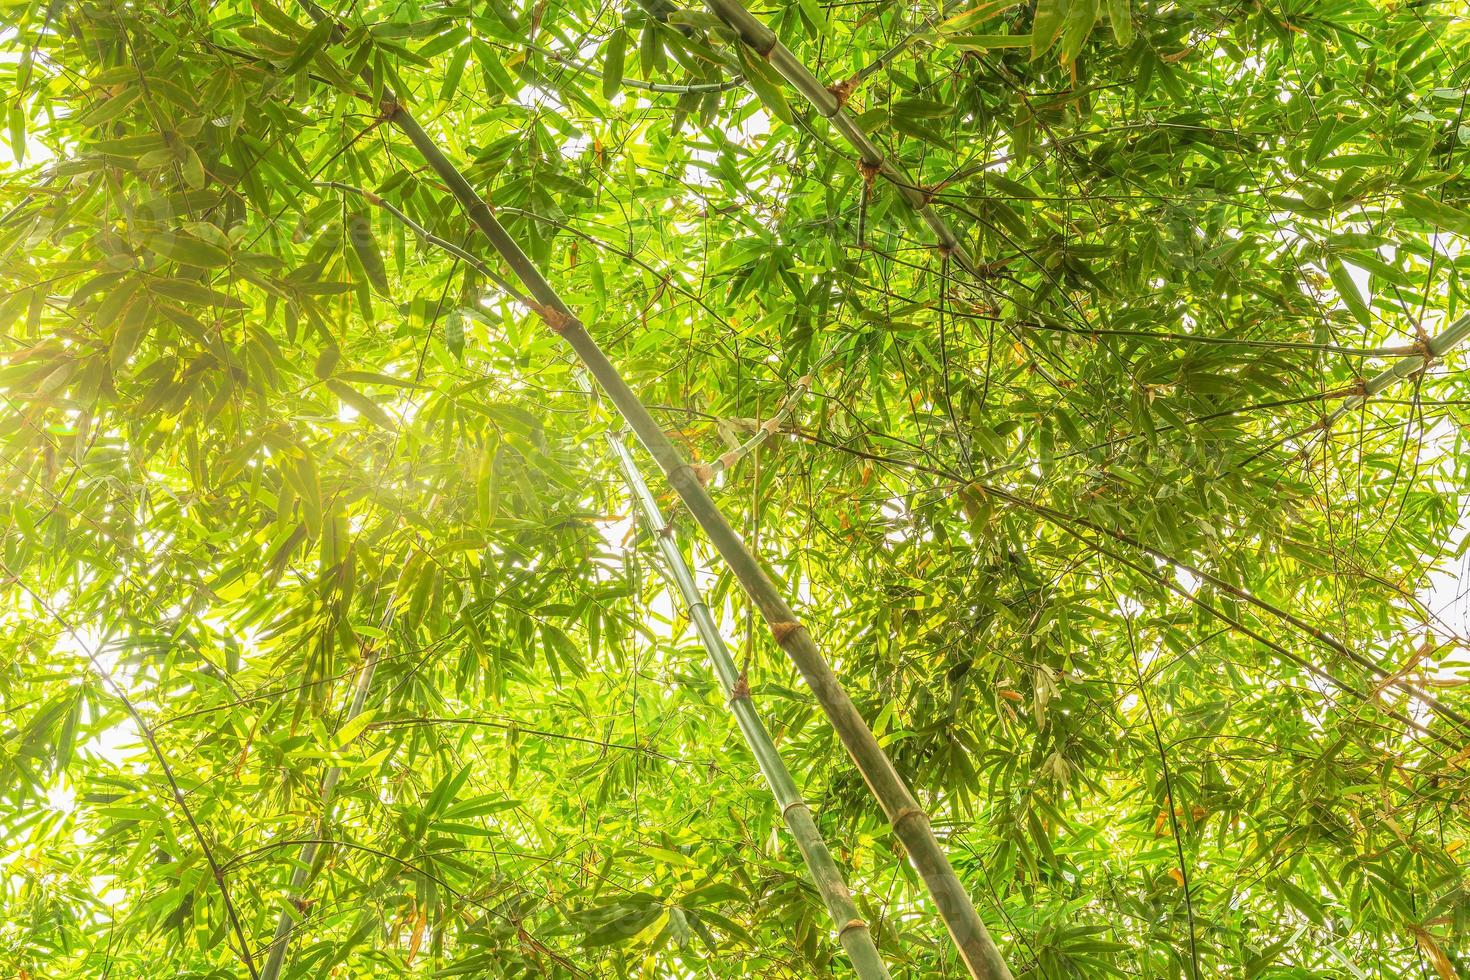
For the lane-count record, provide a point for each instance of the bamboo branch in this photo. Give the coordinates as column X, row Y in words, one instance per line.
column 886, row 58
column 909, row 822
column 1426, row 350
column 1069, row 523
column 772, row 425
column 1420, row 355
column 216, row 870
column 852, row 931
column 475, row 262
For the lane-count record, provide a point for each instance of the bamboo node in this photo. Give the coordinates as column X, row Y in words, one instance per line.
column 1423, row 347
column 783, row 630
column 741, row 689
column 1360, row 388
column 772, row 425
column 842, row 91
column 387, row 109
column 790, row 806
column 907, row 813
column 554, row 318
column 850, row 924
column 805, row 381
column 702, row 472
column 869, row 171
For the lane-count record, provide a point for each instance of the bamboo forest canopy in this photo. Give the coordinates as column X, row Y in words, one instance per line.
column 1084, row 373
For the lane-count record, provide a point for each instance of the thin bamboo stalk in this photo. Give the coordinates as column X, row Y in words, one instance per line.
column 852, row 931
column 281, row 941
column 909, row 821
column 830, row 105
column 725, row 461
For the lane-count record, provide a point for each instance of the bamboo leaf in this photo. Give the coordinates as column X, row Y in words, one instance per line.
column 361, row 404
column 1348, row 290
column 612, row 63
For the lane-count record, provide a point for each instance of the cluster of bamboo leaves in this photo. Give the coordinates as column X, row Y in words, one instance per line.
column 1135, row 626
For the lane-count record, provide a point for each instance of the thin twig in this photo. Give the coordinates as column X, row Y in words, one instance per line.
column 168, row 772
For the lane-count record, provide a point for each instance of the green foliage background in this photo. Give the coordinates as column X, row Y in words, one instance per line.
column 1125, row 616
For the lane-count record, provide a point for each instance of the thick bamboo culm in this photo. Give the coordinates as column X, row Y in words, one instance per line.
column 852, row 932
column 909, row 821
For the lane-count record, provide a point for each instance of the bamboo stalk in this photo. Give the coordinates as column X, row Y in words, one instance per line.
column 852, row 931
column 831, row 106
column 977, row 949
column 909, row 822
column 287, row 923
column 1428, row 349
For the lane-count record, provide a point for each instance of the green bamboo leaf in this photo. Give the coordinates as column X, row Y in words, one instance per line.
column 442, row 42
column 362, row 404
column 1437, row 213
column 189, row 291
column 1348, row 290
column 1081, row 15
column 315, row 40
column 192, row 168
column 612, row 63
column 816, row 16
column 66, row 739
column 454, row 72
column 767, row 87
column 105, row 110
column 1120, row 16
column 189, row 250
column 650, row 48
column 132, row 327
column 976, row 15
column 18, row 131
column 487, row 494
column 360, row 235
column 454, row 334
column 306, row 480
column 1050, row 16
column 987, row 42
